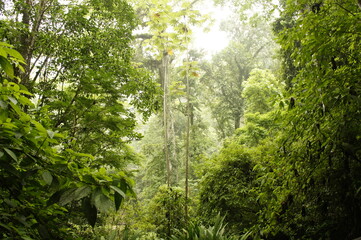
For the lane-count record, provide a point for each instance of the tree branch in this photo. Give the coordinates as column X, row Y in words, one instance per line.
column 143, row 36
column 61, row 118
column 358, row 2
column 257, row 52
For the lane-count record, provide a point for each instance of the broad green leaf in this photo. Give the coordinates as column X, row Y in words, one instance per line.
column 117, row 200
column 26, row 92
column 16, row 108
column 47, row 177
column 116, row 189
column 11, row 154
column 101, row 201
column 15, row 54
column 13, row 100
column 3, row 105
column 82, row 192
column 85, row 155
column 74, row 194
column 6, row 66
column 67, row 196
column 25, row 101
column 40, row 127
column 89, row 210
column 6, row 45
column 3, row 53
column 50, row 133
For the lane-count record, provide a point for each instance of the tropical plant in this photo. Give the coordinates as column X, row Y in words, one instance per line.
column 196, row 231
column 43, row 182
column 166, row 210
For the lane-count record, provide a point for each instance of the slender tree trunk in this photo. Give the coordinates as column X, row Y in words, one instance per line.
column 25, row 40
column 29, row 37
column 237, row 120
column 165, row 81
column 189, row 116
column 173, row 149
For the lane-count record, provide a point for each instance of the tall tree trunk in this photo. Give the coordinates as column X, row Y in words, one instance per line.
column 25, row 40
column 164, row 78
column 29, row 36
column 189, row 116
column 173, row 148
column 237, row 120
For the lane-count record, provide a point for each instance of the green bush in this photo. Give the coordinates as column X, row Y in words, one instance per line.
column 199, row 232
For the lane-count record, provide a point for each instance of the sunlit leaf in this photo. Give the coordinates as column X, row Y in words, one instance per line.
column 7, row 67
column 47, row 177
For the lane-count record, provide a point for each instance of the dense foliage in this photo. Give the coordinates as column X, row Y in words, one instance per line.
column 65, row 127
column 321, row 129
column 308, row 181
column 39, row 177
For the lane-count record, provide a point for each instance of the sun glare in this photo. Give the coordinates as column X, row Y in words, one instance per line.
column 213, row 40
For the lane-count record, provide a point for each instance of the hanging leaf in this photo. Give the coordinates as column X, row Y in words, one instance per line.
column 13, row 100
column 50, row 133
column 47, row 177
column 3, row 104
column 6, row 66
column 116, row 189
column 90, row 211
column 119, row 195
column 40, row 127
column 118, row 199
column 74, row 194
column 15, row 54
column 11, row 154
column 101, row 201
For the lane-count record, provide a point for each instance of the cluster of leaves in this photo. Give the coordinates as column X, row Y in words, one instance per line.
column 169, row 26
column 166, row 210
column 227, row 188
column 199, row 232
column 156, row 218
column 230, row 181
column 79, row 64
column 321, row 144
column 41, row 181
column 224, row 77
